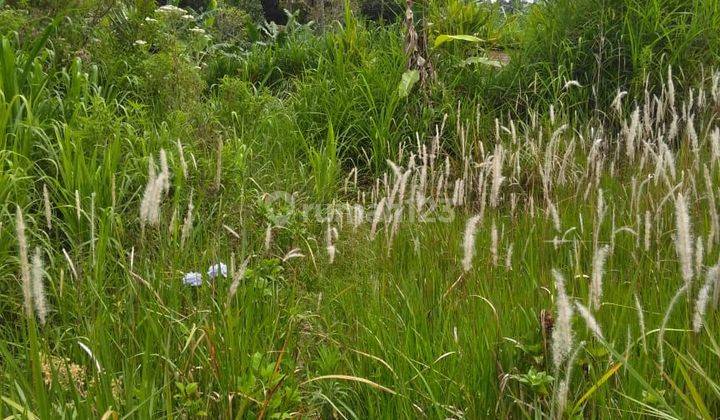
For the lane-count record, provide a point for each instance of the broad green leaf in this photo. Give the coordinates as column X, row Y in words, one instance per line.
column 409, row 78
column 441, row 39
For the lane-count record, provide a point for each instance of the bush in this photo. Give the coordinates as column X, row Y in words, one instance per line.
column 231, row 25
column 12, row 20
column 253, row 8
column 172, row 83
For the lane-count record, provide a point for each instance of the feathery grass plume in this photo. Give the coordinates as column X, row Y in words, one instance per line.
column 497, row 178
column 376, row 217
column 703, row 297
column 292, row 254
column 150, row 204
column 38, row 288
column 715, row 145
column 237, row 276
column 714, row 218
column 699, row 254
column 641, row 322
column 403, row 186
column 71, row 265
column 331, row 250
column 683, row 238
column 508, row 257
column 187, row 223
column 617, row 102
column 330, row 234
column 132, row 258
column 673, row 130
column 218, row 165
column 78, row 208
column 24, row 263
column 692, row 134
column 268, row 236
column 183, row 163
column 358, row 216
column 469, row 242
column 164, row 172
column 494, row 243
column 554, row 216
column 47, row 206
column 598, row 270
column 564, row 386
column 631, row 134
column 562, row 337
column 571, row 83
column 420, row 190
column 397, row 217
column 590, row 320
column 173, row 220
column 661, row 334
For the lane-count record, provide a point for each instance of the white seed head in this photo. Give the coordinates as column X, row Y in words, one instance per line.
column 562, row 337
column 590, row 320
column 703, row 297
column 38, row 287
column 24, row 263
column 469, row 242
column 683, row 238
column 598, row 270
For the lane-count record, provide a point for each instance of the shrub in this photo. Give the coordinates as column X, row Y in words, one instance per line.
column 171, row 82
column 231, row 25
column 12, row 20
column 253, row 8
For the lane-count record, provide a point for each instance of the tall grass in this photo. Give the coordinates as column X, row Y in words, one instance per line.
column 500, row 242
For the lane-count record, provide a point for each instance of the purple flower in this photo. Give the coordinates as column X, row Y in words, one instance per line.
column 219, row 269
column 192, row 279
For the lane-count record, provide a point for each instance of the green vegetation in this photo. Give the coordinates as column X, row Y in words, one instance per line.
column 458, row 212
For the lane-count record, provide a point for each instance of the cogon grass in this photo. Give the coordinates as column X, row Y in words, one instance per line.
column 469, row 242
column 38, row 291
column 703, row 297
column 562, row 336
column 24, row 263
column 683, row 238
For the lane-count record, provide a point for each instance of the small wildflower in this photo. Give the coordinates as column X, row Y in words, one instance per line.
column 219, row 269
column 140, row 42
column 192, row 279
column 197, row 30
column 150, row 20
column 187, row 17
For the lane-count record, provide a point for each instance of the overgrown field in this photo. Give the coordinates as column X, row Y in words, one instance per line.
column 451, row 211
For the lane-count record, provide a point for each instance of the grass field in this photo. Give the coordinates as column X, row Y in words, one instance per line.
column 466, row 214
